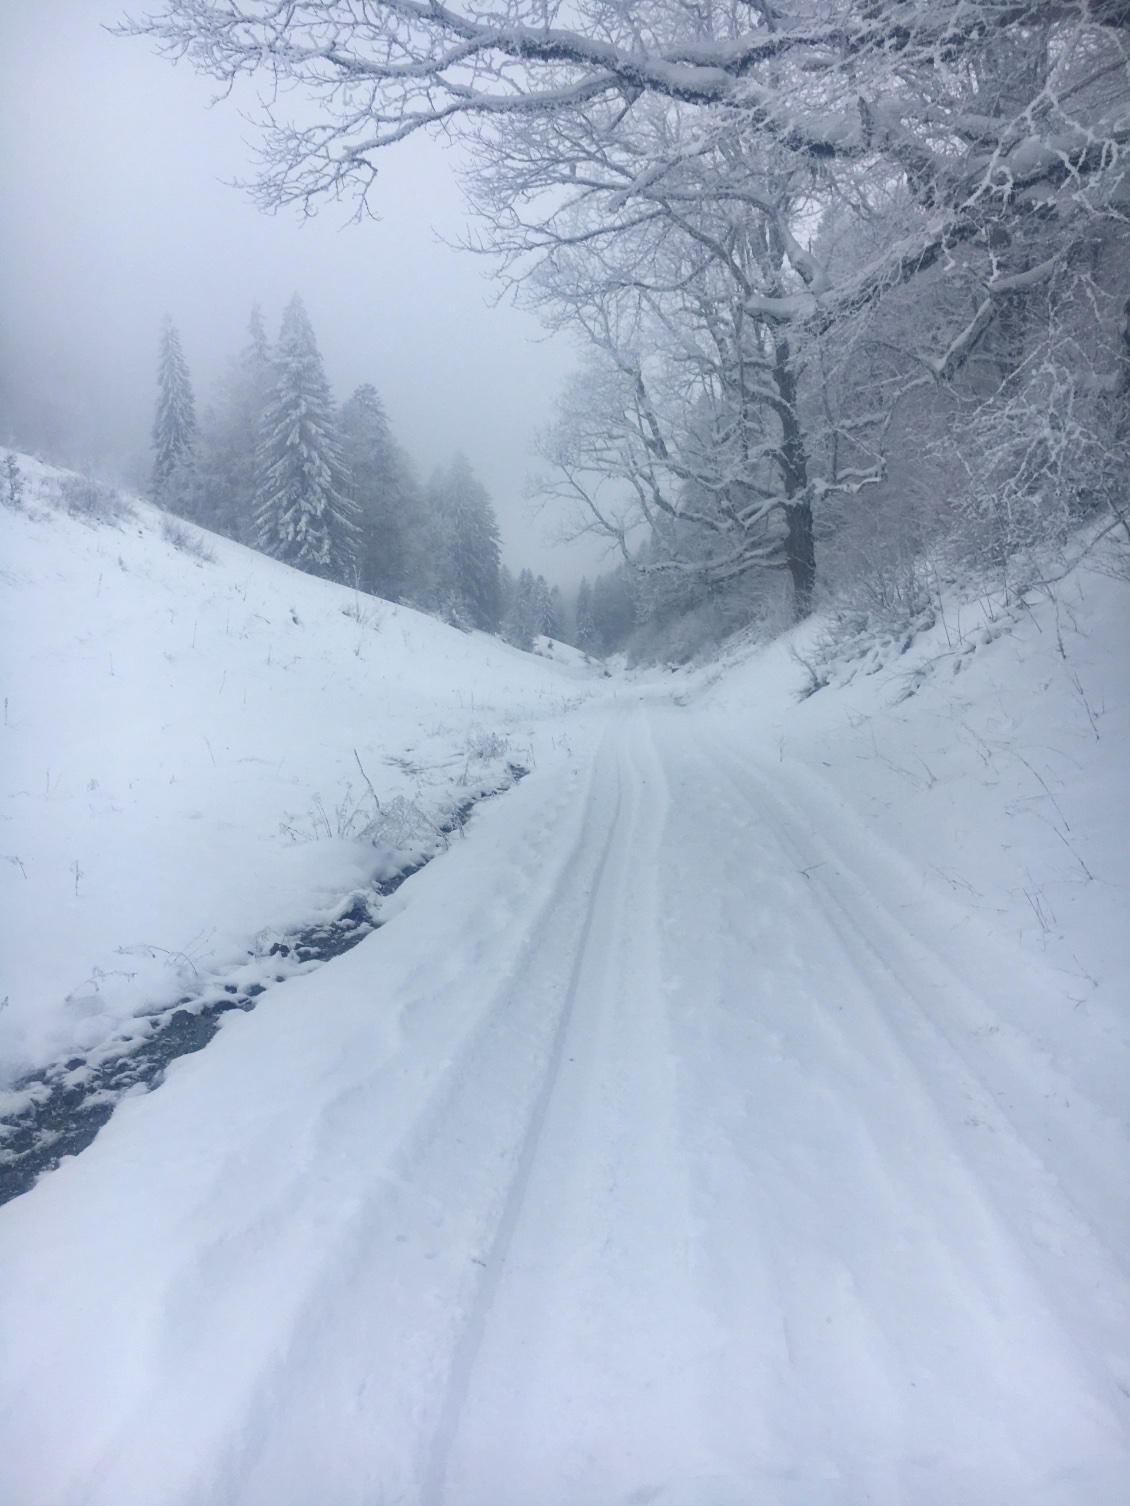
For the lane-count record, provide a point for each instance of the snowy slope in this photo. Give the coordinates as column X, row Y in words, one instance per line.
column 174, row 728
column 719, row 1124
column 991, row 753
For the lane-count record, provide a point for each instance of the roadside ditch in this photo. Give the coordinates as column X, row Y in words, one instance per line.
column 66, row 1104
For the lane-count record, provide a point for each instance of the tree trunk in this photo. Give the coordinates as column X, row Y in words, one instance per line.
column 800, row 545
column 800, row 556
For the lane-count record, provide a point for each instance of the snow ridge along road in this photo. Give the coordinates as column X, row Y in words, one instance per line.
column 638, row 1160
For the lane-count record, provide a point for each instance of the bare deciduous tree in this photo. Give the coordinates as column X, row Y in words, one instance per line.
column 733, row 200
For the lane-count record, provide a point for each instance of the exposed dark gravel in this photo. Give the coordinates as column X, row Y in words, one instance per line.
column 71, row 1101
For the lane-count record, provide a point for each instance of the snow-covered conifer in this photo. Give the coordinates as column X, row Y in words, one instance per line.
column 386, row 495
column 218, row 489
column 249, row 387
column 238, row 431
column 586, row 629
column 470, row 578
column 521, row 618
column 556, row 620
column 303, row 512
column 174, row 426
column 545, row 617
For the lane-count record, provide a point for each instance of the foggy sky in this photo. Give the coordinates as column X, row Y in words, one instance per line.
column 115, row 208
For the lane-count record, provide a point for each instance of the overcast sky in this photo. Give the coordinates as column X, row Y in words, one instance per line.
column 115, row 207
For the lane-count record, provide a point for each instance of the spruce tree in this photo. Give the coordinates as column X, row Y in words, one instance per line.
column 226, row 450
column 544, row 616
column 249, row 387
column 585, row 633
column 174, row 426
column 469, row 578
column 303, row 512
column 556, row 619
column 385, row 494
column 522, row 618
column 255, row 357
column 507, row 590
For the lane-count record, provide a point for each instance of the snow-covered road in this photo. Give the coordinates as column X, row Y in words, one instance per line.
column 655, row 1152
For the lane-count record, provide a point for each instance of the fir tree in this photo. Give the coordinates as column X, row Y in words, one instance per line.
column 545, row 619
column 222, row 492
column 507, row 587
column 469, row 578
column 586, row 628
column 532, row 612
column 385, row 494
column 303, row 512
column 255, row 358
column 521, row 620
column 174, row 427
column 248, row 390
column 556, row 618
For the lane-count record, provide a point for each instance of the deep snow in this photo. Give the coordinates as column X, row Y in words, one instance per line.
column 736, row 1117
column 180, row 736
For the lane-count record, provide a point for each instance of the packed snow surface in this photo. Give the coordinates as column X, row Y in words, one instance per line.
column 736, row 1117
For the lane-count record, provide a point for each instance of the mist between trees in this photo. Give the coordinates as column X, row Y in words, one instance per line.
column 275, row 464
column 853, row 275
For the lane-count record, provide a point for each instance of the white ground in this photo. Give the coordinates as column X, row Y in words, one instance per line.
column 735, row 1118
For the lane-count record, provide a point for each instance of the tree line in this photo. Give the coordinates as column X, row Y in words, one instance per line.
column 274, row 463
column 852, row 275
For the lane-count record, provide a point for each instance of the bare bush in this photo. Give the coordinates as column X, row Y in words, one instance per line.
column 187, row 541
column 92, row 501
column 878, row 572
column 486, row 746
column 352, row 817
column 400, row 824
column 363, row 612
column 403, row 824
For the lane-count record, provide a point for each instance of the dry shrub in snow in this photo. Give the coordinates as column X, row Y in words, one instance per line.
column 186, row 540
column 881, row 570
column 364, row 613
column 352, row 817
column 399, row 823
column 92, row 501
column 486, row 746
column 11, row 483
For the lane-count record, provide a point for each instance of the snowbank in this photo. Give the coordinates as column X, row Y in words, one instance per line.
column 990, row 755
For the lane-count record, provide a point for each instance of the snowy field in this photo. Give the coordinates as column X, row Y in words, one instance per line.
column 734, row 1116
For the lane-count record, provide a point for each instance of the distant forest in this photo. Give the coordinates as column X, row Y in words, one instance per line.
column 275, row 463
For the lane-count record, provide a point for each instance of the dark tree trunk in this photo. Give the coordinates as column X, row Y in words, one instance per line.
column 800, row 544
column 800, row 556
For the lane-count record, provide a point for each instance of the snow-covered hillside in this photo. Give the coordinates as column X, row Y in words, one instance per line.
column 189, row 734
column 735, row 1117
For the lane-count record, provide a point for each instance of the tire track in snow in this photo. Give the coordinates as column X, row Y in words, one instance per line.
column 466, row 1351
column 953, row 1005
column 613, row 1222
column 1061, row 1268
column 588, row 1385
column 396, row 1320
column 322, row 1321
column 804, row 1389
